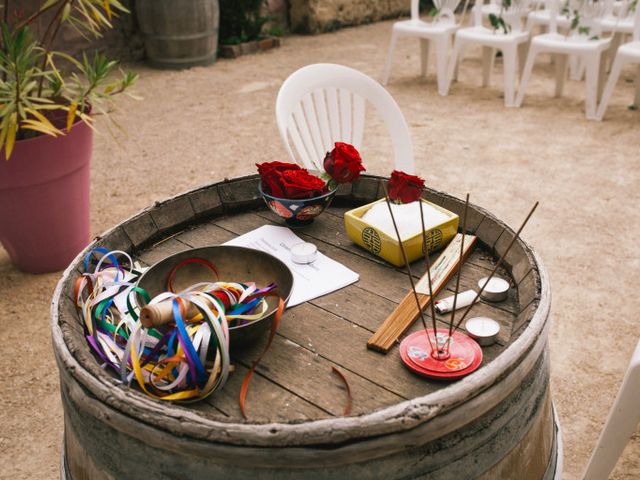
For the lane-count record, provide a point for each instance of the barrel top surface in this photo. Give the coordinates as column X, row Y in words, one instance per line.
column 294, row 387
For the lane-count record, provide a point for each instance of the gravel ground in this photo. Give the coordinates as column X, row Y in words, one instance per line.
column 204, row 124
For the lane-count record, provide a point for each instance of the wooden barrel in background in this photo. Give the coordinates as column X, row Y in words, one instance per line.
column 179, row 33
column 497, row 423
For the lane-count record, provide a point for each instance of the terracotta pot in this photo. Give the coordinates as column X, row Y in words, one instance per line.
column 44, row 200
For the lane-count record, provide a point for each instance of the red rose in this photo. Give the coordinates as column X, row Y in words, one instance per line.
column 343, row 163
column 301, row 184
column 288, row 180
column 404, row 188
column 271, row 176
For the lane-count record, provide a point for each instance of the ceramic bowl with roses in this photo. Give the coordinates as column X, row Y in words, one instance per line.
column 298, row 195
column 298, row 212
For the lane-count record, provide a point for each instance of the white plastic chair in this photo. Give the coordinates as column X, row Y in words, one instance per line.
column 324, row 103
column 587, row 48
column 619, row 22
column 439, row 31
column 627, row 54
column 618, row 19
column 490, row 40
column 621, row 423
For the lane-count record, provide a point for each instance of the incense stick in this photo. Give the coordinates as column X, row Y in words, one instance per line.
column 406, row 262
column 455, row 295
column 403, row 316
column 426, row 256
column 502, row 257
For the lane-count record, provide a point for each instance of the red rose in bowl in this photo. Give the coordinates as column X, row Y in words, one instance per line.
column 404, row 188
column 271, row 176
column 343, row 163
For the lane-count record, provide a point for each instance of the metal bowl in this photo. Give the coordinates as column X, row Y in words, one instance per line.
column 234, row 264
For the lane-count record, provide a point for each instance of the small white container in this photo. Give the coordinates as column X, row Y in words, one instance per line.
column 496, row 290
column 304, row 253
column 483, row 330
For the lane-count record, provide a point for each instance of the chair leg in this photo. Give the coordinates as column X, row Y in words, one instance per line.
column 592, row 67
column 616, row 40
column 509, row 60
column 424, row 56
column 452, row 66
column 387, row 65
column 608, row 89
column 602, row 72
column 523, row 51
column 488, row 55
column 621, row 423
column 576, row 67
column 442, row 49
column 526, row 73
column 561, row 61
column 636, row 99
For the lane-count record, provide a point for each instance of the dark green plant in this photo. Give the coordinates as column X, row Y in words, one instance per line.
column 240, row 21
column 497, row 21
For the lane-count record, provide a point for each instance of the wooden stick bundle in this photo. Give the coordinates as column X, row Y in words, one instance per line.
column 406, row 313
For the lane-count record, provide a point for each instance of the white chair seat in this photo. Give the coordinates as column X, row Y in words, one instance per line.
column 630, row 50
column 419, row 28
column 620, row 25
column 570, row 45
column 490, row 37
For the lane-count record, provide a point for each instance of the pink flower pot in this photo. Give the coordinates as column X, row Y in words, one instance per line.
column 44, row 200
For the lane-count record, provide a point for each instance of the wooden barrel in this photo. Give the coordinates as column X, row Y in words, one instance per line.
column 179, row 33
column 496, row 423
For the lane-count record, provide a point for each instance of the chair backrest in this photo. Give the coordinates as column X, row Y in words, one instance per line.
column 589, row 12
column 512, row 15
column 446, row 9
column 323, row 103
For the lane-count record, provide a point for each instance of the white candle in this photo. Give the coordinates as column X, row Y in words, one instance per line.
column 304, row 252
column 496, row 290
column 484, row 330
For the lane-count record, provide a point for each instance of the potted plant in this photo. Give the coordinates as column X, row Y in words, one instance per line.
column 48, row 102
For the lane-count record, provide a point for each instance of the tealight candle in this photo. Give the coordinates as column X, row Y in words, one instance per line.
column 496, row 290
column 484, row 330
column 304, row 252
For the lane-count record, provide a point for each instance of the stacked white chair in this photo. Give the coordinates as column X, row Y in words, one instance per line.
column 629, row 53
column 621, row 423
column 439, row 32
column 589, row 48
column 323, row 103
column 509, row 43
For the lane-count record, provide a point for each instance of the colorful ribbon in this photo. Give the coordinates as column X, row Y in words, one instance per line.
column 184, row 360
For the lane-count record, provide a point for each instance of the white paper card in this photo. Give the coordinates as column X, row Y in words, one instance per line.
column 310, row 281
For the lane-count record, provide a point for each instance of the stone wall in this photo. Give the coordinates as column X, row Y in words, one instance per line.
column 315, row 16
column 124, row 41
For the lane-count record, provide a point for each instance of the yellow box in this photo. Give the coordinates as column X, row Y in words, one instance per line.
column 387, row 247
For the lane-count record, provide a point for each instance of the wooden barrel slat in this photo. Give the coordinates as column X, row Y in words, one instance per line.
column 405, row 428
column 179, row 33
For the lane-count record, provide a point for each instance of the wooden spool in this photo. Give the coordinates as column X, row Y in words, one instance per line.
column 179, row 33
column 496, row 423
